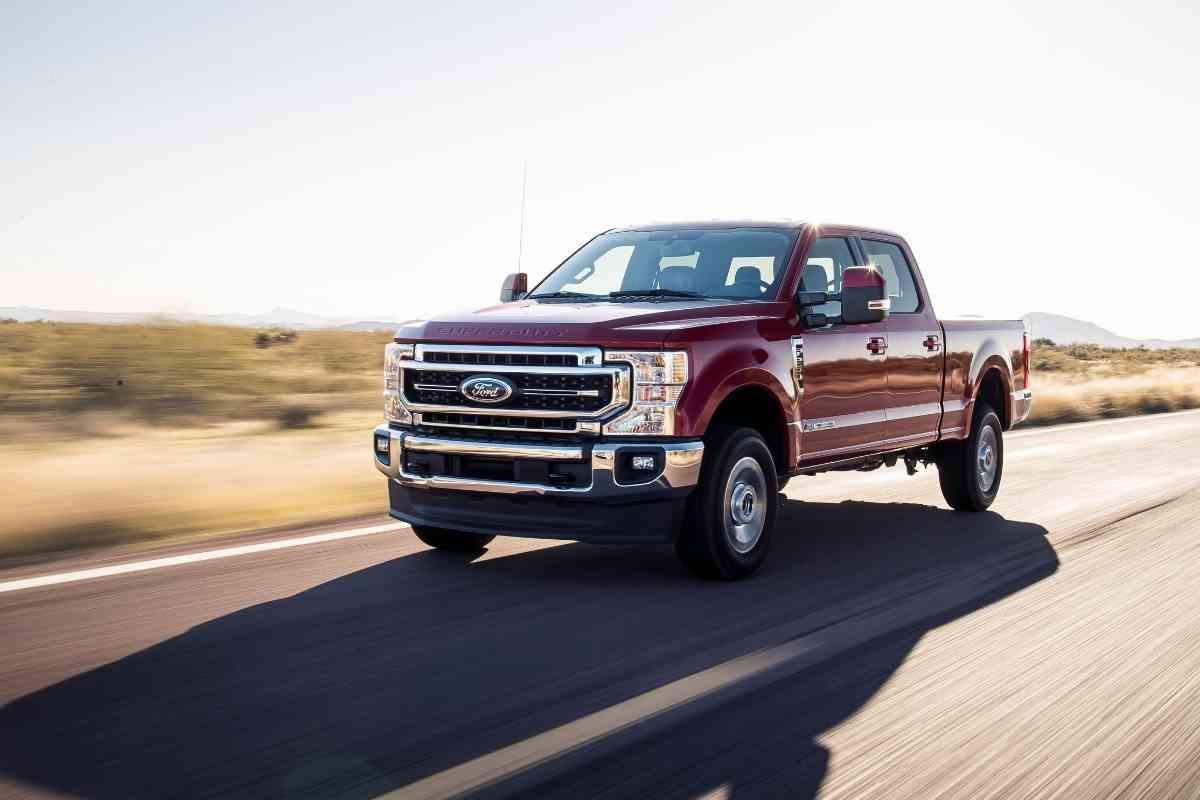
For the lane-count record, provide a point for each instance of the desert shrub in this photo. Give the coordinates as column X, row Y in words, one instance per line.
column 265, row 339
column 1108, row 407
column 291, row 417
column 1153, row 404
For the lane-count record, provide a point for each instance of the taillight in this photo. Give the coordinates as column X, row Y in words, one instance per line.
column 1025, row 352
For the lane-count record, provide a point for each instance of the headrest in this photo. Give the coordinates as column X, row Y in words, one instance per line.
column 747, row 275
column 679, row 279
column 814, row 279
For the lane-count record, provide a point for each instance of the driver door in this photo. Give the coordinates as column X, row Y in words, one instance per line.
column 841, row 369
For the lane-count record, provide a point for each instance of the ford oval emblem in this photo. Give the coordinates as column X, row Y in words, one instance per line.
column 486, row 389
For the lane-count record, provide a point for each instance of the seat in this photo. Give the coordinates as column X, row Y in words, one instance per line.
column 747, row 282
column 814, row 279
column 677, row 279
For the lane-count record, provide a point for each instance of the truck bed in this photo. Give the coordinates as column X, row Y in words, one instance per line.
column 973, row 348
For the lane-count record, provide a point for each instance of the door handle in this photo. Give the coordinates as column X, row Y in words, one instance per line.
column 876, row 345
column 932, row 343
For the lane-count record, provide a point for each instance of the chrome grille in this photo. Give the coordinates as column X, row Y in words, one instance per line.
column 533, row 391
column 506, row 359
column 558, row 390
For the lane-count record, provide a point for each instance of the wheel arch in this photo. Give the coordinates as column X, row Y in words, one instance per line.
column 755, row 405
column 993, row 387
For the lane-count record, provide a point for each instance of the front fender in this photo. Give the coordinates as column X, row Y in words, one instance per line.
column 725, row 372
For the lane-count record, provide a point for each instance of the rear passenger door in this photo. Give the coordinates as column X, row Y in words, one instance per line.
column 842, row 367
column 915, row 346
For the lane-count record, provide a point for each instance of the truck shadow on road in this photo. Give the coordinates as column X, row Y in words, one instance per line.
column 408, row 669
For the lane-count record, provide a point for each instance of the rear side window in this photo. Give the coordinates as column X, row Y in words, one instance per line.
column 901, row 288
column 822, row 272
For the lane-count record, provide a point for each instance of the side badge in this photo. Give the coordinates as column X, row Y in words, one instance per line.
column 798, row 363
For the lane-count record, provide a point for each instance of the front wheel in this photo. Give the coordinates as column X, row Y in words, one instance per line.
column 730, row 517
column 456, row 541
column 970, row 470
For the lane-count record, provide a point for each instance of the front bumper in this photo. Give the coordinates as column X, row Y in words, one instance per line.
column 606, row 503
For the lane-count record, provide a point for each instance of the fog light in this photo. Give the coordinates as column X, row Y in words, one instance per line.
column 642, row 463
column 383, row 444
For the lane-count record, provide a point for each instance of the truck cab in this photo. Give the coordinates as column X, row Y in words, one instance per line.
column 664, row 382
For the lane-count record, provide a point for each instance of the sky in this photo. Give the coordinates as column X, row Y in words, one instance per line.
column 365, row 159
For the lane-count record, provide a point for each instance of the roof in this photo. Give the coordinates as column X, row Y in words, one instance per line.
column 714, row 224
column 717, row 224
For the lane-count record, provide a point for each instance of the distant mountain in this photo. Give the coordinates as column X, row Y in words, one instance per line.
column 278, row 317
column 1066, row 330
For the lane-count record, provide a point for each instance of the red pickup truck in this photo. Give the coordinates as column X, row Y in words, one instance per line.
column 664, row 382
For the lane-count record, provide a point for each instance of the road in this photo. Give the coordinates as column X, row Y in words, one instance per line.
column 890, row 648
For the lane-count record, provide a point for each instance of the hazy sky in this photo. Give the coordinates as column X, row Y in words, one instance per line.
column 364, row 159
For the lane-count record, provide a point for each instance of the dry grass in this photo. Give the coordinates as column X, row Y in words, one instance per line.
column 119, row 434
column 1091, row 361
column 142, row 432
column 1076, row 383
column 184, row 374
column 153, row 484
column 1152, row 392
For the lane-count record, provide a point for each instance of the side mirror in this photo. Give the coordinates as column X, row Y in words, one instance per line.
column 864, row 296
column 514, row 287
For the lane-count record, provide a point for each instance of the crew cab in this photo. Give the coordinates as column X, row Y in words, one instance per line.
column 664, row 382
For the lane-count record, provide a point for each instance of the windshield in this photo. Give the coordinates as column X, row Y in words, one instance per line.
column 737, row 263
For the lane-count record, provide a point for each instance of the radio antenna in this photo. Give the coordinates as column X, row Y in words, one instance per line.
column 521, row 231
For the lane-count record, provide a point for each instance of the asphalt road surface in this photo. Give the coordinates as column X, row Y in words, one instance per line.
column 890, row 648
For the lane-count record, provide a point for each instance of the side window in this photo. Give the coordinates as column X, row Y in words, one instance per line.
column 901, row 288
column 822, row 271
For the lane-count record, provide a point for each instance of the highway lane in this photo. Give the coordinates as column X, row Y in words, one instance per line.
column 890, row 648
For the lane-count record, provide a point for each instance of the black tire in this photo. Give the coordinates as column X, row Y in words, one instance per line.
column 964, row 484
column 456, row 541
column 704, row 546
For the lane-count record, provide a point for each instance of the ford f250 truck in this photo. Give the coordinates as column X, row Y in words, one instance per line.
column 664, row 382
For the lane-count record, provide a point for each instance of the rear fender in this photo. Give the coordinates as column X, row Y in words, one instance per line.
column 990, row 356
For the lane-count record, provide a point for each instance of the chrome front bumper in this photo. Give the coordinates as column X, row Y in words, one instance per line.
column 681, row 465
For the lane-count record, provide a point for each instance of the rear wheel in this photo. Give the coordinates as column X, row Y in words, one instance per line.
column 457, row 541
column 970, row 470
column 731, row 514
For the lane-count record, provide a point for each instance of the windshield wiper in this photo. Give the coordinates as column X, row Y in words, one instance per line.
column 656, row 293
column 566, row 296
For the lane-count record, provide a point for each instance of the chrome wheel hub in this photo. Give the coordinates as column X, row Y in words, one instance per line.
column 745, row 505
column 987, row 459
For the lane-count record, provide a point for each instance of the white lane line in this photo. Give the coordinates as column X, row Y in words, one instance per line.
column 1078, row 426
column 190, row 558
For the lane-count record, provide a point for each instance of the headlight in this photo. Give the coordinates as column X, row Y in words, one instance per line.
column 393, row 406
column 658, row 381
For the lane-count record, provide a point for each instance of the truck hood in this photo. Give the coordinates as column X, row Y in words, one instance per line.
column 628, row 324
